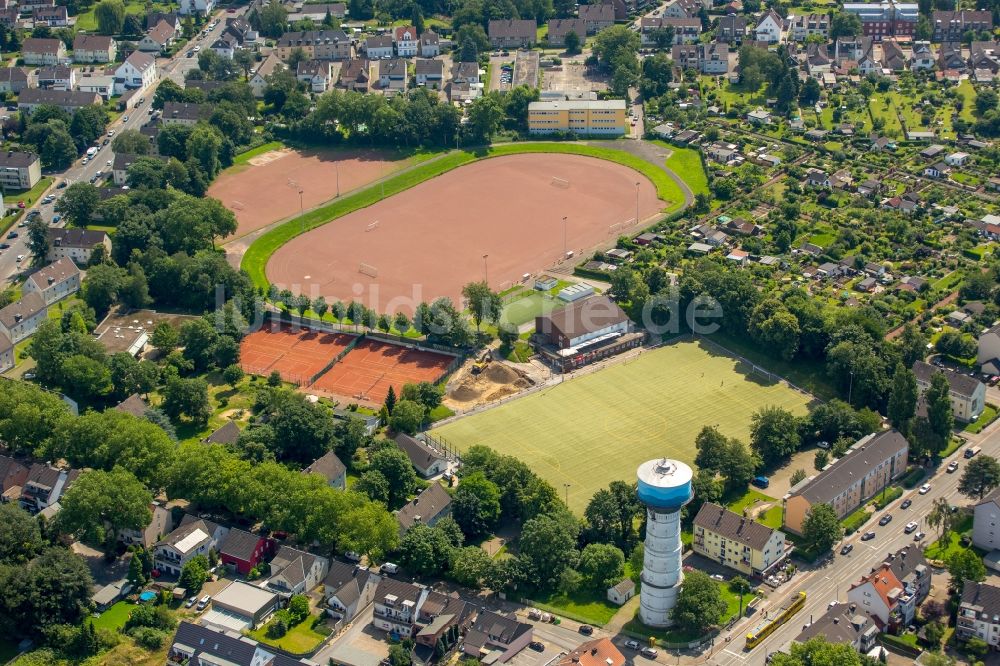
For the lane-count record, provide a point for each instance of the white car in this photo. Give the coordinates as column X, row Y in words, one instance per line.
column 109, row 163
column 20, row 258
column 910, row 527
column 197, row 48
column 924, row 489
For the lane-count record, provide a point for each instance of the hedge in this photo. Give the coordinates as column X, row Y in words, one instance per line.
column 913, row 477
column 853, row 522
column 257, row 255
column 891, row 494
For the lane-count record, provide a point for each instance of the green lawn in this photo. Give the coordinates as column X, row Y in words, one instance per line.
column 88, row 22
column 29, row 197
column 771, row 517
column 598, row 428
column 245, row 157
column 525, row 309
column 686, row 163
column 942, row 550
column 583, row 606
column 256, row 257
column 988, row 416
column 114, row 618
column 300, row 639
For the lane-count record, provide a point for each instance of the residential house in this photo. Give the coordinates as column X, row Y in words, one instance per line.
column 957, row 159
column 356, row 75
column 559, row 28
column 770, row 28
column 240, row 29
column 22, row 317
column 759, row 117
column 951, row 26
column 886, row 596
column 685, row 56
column 317, row 12
column 10, row 17
column 44, row 51
column 392, row 75
column 713, row 58
column 427, row 460
column 259, row 80
column 52, row 16
column 682, row 9
column 295, row 571
column 244, row 551
column 54, row 282
column 138, row 72
column 430, row 73
column 967, row 394
column 379, row 47
column 406, row 41
column 845, row 624
column 226, row 46
column 950, row 56
column 159, row 525
column 173, row 19
column 427, row 508
column 316, row 44
column 893, row 57
column 872, row 464
column 199, row 7
column 119, row 168
column 737, row 542
column 804, row 25
column 330, row 468
column 6, row 362
column 198, row 645
column 13, row 476
column 979, row 613
column 984, row 56
column 157, row 39
column 185, row 113
column 493, row 632
column 68, row 100
column 988, row 354
column 226, row 434
column 243, row 604
column 195, row 536
column 45, row 486
column 851, row 48
column 732, row 29
column 597, row 17
column 348, row 589
column 90, row 49
column 937, row 170
column 56, row 77
column 19, row 170
column 13, row 80
column 316, row 74
column 430, row 44
column 885, row 19
column 817, row 178
column 597, row 652
column 921, row 56
column 441, row 620
column 465, row 72
column 395, row 609
column 512, row 33
column 686, row 30
column 985, row 519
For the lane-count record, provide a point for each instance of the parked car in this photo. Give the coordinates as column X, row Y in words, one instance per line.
column 648, row 653
column 924, row 489
column 4, row 246
column 191, row 601
column 910, row 527
column 586, row 629
column 919, row 536
column 632, row 644
column 62, row 184
column 867, row 536
column 56, row 218
column 352, row 556
column 952, row 466
column 885, row 520
column 537, row 646
column 12, row 234
column 761, row 481
column 846, row 548
column 906, row 503
column 534, row 614
column 389, row 568
column 205, row 600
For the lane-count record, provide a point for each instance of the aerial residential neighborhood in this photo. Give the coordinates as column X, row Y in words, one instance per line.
column 540, row 334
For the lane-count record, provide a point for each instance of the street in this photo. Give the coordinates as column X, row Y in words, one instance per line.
column 173, row 68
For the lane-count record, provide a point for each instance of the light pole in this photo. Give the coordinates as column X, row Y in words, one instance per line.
column 302, row 222
column 637, row 203
column 564, row 236
column 486, row 269
column 850, row 388
column 338, row 180
column 566, row 488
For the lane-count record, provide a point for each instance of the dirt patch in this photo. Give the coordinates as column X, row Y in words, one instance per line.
column 267, row 188
column 499, row 380
column 388, row 256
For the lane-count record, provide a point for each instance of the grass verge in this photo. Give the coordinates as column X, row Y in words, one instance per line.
column 988, row 416
column 245, row 157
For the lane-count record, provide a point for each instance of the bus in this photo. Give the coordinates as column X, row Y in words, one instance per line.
column 792, row 606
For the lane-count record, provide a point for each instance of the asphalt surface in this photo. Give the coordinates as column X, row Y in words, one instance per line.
column 172, row 68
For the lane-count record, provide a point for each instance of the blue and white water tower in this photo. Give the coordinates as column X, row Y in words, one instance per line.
column 664, row 487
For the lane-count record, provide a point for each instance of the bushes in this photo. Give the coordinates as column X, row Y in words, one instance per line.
column 913, row 477
column 853, row 522
column 883, row 500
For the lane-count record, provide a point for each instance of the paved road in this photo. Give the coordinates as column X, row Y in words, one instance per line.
column 173, row 68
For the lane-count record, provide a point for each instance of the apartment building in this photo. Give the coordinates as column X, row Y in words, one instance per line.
column 606, row 117
column 985, row 521
column 19, row 171
column 740, row 543
column 894, row 590
column 76, row 244
column 885, row 19
column 94, row 48
column 967, row 394
column 316, row 44
column 809, row 24
column 868, row 467
column 686, row 30
column 979, row 613
column 952, row 26
column 54, row 282
column 195, row 536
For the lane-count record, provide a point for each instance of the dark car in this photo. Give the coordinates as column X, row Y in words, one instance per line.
column 906, row 504
column 105, row 142
column 4, row 246
column 537, row 646
column 62, row 184
column 12, row 234
column 867, row 536
column 586, row 629
column 848, row 547
column 885, row 520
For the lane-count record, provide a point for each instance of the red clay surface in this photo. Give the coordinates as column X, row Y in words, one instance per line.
column 430, row 239
column 368, row 370
column 297, row 354
column 267, row 189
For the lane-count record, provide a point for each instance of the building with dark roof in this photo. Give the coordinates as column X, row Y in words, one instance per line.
column 512, row 33
column 846, row 624
column 559, row 28
column 67, row 100
column 54, row 282
column 427, row 460
column 13, row 476
column 134, row 405
column 23, row 317
column 952, row 26
column 76, row 244
column 243, row 551
column 197, row 645
column 584, row 331
column 94, row 48
column 194, row 536
column 348, row 588
column 44, row 51
column 979, row 613
column 493, row 632
column 44, row 486
column 18, row 170
column 736, row 541
column 317, row 44
column 295, row 571
column 396, row 605
column 13, row 79
column 967, row 394
column 225, row 434
column 427, row 508
column 329, row 466
column 872, row 464
column 185, row 113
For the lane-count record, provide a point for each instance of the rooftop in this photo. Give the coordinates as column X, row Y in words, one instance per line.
column 863, row 456
column 733, row 526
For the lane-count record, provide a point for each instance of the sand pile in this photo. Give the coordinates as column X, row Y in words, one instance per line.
column 497, row 381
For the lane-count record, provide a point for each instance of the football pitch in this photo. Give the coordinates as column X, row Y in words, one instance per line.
column 598, row 428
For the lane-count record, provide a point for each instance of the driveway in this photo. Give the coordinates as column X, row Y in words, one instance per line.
column 360, row 645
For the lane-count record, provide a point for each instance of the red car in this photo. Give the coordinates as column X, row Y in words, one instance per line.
column 20, row 204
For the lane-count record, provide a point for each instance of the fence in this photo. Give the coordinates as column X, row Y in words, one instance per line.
column 344, row 352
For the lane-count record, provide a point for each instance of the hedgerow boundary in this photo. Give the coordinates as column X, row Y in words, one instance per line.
column 260, row 251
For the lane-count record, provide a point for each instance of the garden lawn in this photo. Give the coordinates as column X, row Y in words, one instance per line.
column 524, row 310
column 598, row 428
column 988, row 416
column 29, row 197
column 300, row 639
column 686, row 163
column 87, row 21
column 582, row 606
column 115, row 617
column 942, row 550
column 245, row 157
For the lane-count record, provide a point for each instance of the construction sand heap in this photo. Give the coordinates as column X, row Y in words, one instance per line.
column 498, row 380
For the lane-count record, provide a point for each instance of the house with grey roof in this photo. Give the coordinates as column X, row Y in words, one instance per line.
column 329, row 466
column 979, row 613
column 348, row 588
column 737, row 542
column 229, row 433
column 967, row 394
column 427, row 508
column 199, row 645
column 195, row 536
column 76, row 244
column 54, row 282
column 986, row 522
column 67, row 100
column 396, row 604
column 427, row 460
column 493, row 632
column 512, row 33
column 134, row 405
column 597, row 16
column 843, row 623
column 44, row 487
column 7, row 360
column 23, row 317
column 295, row 571
column 871, row 465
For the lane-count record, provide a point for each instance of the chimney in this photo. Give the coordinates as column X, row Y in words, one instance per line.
column 593, row 650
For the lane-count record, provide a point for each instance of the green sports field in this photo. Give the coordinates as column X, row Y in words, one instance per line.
column 597, row 428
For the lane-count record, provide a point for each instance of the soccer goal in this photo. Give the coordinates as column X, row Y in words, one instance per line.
column 560, row 183
column 236, row 205
column 293, row 183
column 614, row 228
column 372, row 227
column 368, row 269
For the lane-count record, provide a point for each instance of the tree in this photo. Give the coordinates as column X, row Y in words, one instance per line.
column 939, row 414
column 965, row 565
column 38, row 240
column 774, row 434
column 975, row 647
column 78, row 203
column 204, row 145
column 274, row 19
column 20, row 536
column 407, row 416
column 476, row 505
column 699, row 605
column 469, row 566
column 485, row 116
column 912, row 344
column 484, row 304
column 818, row 652
column 88, row 125
column 395, row 466
column 369, row 530
column 53, row 588
column 821, row 528
column 245, row 60
column 390, row 400
column 601, row 565
column 981, row 475
column 164, row 337
column 130, row 142
column 424, row 550
column 941, row 517
column 100, row 289
column 902, row 398
column 844, row 24
column 822, row 460
column 373, row 484
column 58, row 149
column 100, row 504
column 572, row 43
column 187, row 397
column 110, row 15
column 611, row 514
column 547, row 548
column 233, row 375
column 194, row 574
column 86, row 378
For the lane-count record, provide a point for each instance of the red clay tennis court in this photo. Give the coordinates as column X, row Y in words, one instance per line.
column 297, row 354
column 368, row 370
